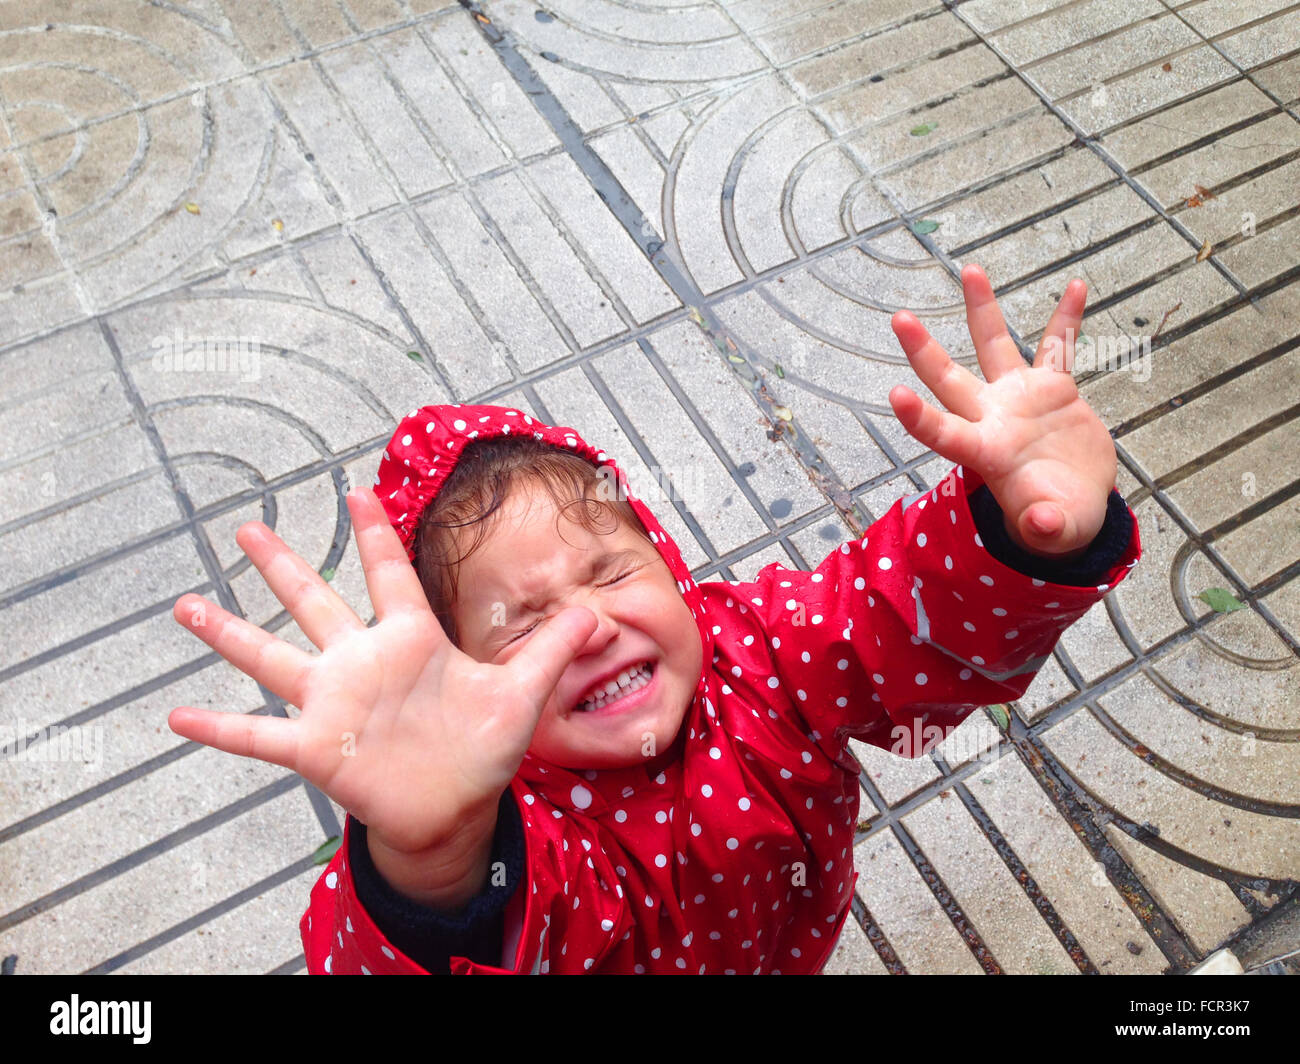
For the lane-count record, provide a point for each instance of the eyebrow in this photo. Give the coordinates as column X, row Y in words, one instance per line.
column 516, row 610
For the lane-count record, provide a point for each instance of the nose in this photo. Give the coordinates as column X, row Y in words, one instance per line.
column 606, row 631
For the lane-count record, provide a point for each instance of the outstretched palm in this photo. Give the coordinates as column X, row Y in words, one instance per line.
column 398, row 726
column 1047, row 458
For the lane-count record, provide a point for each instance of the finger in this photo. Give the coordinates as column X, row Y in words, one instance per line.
column 278, row 666
column 997, row 352
column 953, row 385
column 539, row 665
column 1044, row 519
column 390, row 577
column 1056, row 348
column 270, row 739
column 1048, row 528
column 945, row 434
column 320, row 613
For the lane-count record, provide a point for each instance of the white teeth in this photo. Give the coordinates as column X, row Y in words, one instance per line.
column 627, row 681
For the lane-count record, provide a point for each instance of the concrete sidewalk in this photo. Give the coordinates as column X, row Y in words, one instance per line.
column 239, row 239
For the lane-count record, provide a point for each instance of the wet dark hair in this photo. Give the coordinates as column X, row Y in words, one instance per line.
column 485, row 475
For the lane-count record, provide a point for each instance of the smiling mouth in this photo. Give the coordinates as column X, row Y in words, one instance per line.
column 639, row 681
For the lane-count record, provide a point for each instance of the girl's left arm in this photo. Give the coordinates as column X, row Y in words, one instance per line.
column 896, row 638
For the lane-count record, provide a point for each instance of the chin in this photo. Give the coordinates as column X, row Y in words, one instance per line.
column 625, row 747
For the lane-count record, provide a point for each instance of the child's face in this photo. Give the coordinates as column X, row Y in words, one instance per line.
column 526, row 556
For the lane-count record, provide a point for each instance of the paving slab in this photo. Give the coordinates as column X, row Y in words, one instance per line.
column 240, row 239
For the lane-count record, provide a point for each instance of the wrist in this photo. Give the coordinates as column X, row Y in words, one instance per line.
column 445, row 876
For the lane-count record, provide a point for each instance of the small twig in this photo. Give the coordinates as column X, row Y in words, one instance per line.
column 1165, row 319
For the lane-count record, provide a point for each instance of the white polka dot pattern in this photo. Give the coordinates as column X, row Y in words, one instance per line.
column 734, row 853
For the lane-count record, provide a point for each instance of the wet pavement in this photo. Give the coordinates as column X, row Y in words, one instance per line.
column 240, row 240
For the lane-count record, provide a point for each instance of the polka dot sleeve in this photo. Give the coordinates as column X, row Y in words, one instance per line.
column 896, row 638
column 338, row 936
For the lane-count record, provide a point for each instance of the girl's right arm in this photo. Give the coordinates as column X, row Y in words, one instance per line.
column 414, row 738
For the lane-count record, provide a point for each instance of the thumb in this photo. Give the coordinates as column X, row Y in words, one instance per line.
column 1046, row 527
column 552, row 648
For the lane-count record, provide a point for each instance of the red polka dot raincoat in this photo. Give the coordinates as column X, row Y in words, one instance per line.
column 736, row 854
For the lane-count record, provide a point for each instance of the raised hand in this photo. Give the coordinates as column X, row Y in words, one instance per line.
column 413, row 737
column 1044, row 454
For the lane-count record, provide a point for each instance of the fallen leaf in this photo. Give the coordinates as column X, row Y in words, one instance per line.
column 924, row 129
column 1167, row 67
column 1000, row 716
column 925, row 225
column 1207, row 249
column 193, row 208
column 415, row 356
column 327, row 574
column 779, row 371
column 737, row 359
column 1221, row 600
column 783, row 412
column 325, row 852
column 277, row 225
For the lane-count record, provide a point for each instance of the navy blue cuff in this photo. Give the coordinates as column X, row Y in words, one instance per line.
column 431, row 937
column 1089, row 569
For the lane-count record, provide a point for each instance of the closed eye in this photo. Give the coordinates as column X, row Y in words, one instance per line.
column 520, row 635
column 524, row 632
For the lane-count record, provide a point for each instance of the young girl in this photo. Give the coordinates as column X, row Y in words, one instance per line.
column 561, row 754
